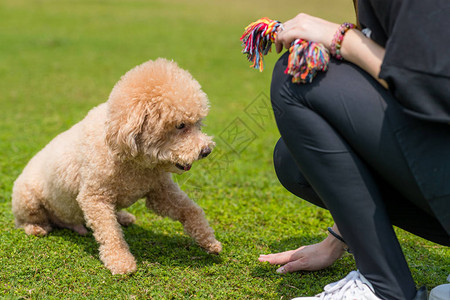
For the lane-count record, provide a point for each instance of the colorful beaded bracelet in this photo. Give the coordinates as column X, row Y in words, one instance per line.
column 335, row 48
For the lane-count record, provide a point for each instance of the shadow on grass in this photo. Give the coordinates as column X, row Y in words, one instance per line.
column 149, row 247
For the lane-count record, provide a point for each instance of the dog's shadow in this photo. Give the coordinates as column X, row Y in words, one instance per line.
column 149, row 247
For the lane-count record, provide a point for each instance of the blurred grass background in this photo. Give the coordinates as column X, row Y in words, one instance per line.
column 59, row 58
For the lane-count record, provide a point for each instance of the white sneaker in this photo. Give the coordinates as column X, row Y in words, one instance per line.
column 441, row 292
column 353, row 287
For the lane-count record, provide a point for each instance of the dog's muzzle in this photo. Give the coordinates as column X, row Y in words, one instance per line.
column 204, row 153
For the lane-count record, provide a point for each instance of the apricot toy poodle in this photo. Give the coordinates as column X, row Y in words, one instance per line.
column 123, row 150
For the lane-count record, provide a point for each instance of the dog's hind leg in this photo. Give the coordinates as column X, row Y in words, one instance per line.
column 125, row 218
column 78, row 228
column 170, row 201
column 28, row 211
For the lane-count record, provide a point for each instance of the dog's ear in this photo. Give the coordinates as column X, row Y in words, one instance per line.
column 122, row 129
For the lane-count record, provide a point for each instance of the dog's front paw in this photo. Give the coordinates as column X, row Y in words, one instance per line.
column 214, row 247
column 120, row 263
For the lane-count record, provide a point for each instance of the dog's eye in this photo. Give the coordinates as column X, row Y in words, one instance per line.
column 180, row 126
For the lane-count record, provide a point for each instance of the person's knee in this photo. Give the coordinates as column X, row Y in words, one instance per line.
column 279, row 161
column 286, row 169
column 290, row 176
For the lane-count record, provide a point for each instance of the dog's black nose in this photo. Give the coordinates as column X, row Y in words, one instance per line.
column 205, row 152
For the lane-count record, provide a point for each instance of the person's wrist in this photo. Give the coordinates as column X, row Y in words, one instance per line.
column 329, row 34
column 338, row 39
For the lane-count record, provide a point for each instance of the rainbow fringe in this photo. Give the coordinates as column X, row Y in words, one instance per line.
column 305, row 58
column 257, row 40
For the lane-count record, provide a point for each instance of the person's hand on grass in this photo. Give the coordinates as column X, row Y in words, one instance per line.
column 309, row 258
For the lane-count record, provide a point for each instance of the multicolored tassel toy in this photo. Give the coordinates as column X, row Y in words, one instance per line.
column 305, row 58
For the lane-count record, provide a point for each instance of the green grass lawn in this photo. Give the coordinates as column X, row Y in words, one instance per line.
column 59, row 58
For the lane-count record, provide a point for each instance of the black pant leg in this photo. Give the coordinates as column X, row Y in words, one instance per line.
column 402, row 212
column 290, row 176
column 338, row 174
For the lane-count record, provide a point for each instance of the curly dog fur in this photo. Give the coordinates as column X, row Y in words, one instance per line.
column 123, row 150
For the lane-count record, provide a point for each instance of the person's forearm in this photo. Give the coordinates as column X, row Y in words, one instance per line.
column 363, row 52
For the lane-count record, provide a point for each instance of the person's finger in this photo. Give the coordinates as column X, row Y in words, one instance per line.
column 285, row 39
column 288, row 24
column 287, row 44
column 293, row 266
column 279, row 47
column 278, row 43
column 277, row 258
